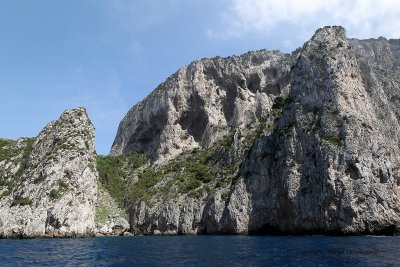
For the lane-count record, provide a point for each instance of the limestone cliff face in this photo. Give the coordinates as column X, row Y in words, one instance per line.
column 314, row 149
column 203, row 102
column 332, row 164
column 51, row 180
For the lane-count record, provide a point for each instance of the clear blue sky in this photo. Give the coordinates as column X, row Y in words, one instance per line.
column 107, row 55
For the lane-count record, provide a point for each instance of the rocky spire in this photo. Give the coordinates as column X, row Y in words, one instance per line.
column 54, row 193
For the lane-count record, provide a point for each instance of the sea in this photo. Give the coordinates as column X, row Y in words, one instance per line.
column 207, row 250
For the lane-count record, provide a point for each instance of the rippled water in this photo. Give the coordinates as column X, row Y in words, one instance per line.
column 203, row 251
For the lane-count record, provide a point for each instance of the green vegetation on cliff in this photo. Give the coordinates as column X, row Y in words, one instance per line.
column 24, row 201
column 131, row 175
column 115, row 170
column 62, row 187
column 14, row 157
column 6, row 149
column 196, row 173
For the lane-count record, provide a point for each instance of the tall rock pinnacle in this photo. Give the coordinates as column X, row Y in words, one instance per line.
column 55, row 186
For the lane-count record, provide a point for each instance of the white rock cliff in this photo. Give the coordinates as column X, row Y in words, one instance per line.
column 265, row 142
column 54, row 188
column 315, row 142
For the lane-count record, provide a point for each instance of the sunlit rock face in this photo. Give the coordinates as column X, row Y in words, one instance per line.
column 332, row 165
column 313, row 142
column 54, row 181
column 203, row 102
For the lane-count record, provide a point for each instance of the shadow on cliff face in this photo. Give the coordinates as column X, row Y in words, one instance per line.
column 233, row 83
column 319, row 204
column 291, row 189
column 323, row 174
column 329, row 163
column 227, row 83
column 195, row 118
column 146, row 138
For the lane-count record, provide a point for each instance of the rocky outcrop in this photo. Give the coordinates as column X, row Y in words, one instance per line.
column 203, row 102
column 110, row 219
column 332, row 164
column 49, row 183
column 313, row 142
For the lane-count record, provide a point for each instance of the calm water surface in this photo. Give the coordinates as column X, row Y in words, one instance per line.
column 203, row 251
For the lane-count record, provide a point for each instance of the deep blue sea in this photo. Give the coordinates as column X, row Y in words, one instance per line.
column 203, row 251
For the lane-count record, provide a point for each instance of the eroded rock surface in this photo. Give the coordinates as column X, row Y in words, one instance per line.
column 203, row 102
column 110, row 219
column 332, row 164
column 52, row 181
column 314, row 142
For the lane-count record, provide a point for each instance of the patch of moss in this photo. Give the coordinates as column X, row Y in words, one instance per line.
column 286, row 130
column 102, row 213
column 62, row 188
column 366, row 125
column 62, row 185
column 54, row 194
column 280, row 101
column 226, row 141
column 25, row 201
column 334, row 140
column 5, row 193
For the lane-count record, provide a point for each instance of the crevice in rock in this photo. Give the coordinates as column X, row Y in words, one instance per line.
column 353, row 172
column 195, row 119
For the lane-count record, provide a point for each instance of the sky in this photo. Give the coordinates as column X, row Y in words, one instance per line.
column 107, row 55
